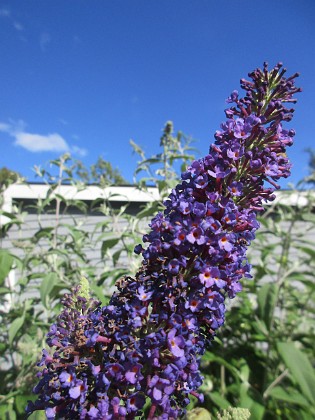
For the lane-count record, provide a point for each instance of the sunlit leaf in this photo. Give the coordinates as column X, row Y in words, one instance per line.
column 109, row 244
column 47, row 285
column 43, row 233
column 15, row 327
column 300, row 368
column 308, row 250
column 7, row 412
column 220, row 401
column 292, row 396
column 6, row 261
column 267, row 298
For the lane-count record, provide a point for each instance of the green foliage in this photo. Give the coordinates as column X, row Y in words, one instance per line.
column 103, row 173
column 262, row 360
column 162, row 170
column 8, row 177
column 6, row 262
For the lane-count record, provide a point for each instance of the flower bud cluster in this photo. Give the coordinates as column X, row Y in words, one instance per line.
column 144, row 348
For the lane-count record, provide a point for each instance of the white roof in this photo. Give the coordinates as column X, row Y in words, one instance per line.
column 29, row 191
column 90, row 192
column 118, row 193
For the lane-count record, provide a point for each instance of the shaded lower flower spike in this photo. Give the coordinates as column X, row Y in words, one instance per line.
column 143, row 350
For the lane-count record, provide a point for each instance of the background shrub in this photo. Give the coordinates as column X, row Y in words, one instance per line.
column 261, row 360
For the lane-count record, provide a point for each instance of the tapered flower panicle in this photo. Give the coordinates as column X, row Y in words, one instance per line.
column 144, row 348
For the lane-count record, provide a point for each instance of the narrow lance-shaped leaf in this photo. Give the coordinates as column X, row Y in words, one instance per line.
column 15, row 327
column 6, row 261
column 267, row 298
column 47, row 285
column 300, row 368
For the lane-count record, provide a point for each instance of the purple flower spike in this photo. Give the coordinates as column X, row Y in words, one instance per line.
column 146, row 345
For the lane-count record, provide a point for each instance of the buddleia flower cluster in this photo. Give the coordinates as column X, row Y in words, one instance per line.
column 140, row 354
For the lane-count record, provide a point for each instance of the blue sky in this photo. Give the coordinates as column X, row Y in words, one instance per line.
column 88, row 76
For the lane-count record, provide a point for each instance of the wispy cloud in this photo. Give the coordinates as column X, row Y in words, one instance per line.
column 5, row 128
column 44, row 40
column 79, row 151
column 18, row 26
column 63, row 122
column 37, row 143
column 5, row 12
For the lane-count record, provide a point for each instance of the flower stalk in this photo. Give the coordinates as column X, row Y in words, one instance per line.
column 144, row 348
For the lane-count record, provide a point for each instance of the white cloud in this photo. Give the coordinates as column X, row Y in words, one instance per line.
column 44, row 40
column 37, row 143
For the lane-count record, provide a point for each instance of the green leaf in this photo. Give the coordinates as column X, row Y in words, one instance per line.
column 99, row 293
column 37, row 415
column 210, row 357
column 293, row 397
column 3, row 347
column 113, row 275
column 149, row 210
column 246, row 401
column 137, row 149
column 162, row 185
column 307, row 250
column 219, row 400
column 260, row 327
column 9, row 215
column 6, row 261
column 43, row 233
column 268, row 249
column 5, row 290
column 108, row 244
column 116, row 256
column 7, row 412
column 300, row 368
column 151, row 161
column 256, row 410
column 20, row 402
column 267, row 298
column 58, row 287
column 47, row 285
column 15, row 326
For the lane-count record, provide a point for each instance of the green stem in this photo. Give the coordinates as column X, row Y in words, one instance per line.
column 275, row 382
